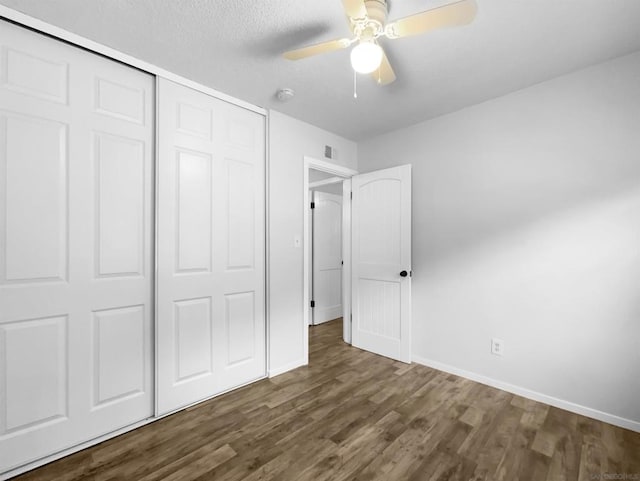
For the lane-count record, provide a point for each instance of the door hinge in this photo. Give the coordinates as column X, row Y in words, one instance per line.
column 313, row 303
column 313, row 205
column 351, row 194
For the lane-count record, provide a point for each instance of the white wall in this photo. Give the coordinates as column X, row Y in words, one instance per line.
column 526, row 227
column 289, row 141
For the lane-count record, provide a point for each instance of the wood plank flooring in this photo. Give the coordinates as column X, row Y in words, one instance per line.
column 352, row 415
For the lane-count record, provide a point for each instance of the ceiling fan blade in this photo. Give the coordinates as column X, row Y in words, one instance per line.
column 458, row 13
column 354, row 8
column 385, row 74
column 316, row 49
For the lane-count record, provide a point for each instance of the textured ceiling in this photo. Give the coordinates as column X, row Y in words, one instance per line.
column 234, row 46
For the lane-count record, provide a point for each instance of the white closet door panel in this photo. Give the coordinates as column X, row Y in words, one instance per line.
column 37, row 322
column 120, row 99
column 121, row 141
column 241, row 319
column 239, row 326
column 194, row 341
column 36, row 386
column 75, row 260
column 35, row 225
column 35, row 73
column 210, row 247
column 192, row 119
column 120, row 210
column 119, row 354
column 241, row 206
column 186, row 371
column 194, row 223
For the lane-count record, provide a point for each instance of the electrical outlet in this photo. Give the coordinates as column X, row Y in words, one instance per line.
column 497, row 346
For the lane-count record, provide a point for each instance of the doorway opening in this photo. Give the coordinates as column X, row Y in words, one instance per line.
column 376, row 253
column 320, row 176
column 325, row 234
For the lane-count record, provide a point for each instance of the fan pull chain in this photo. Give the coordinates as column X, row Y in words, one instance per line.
column 355, row 85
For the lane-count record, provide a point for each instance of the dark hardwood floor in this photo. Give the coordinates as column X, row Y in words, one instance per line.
column 352, row 415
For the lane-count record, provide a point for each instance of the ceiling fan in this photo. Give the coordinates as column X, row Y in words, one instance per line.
column 368, row 22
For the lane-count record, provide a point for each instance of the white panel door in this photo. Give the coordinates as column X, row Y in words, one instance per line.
column 76, row 150
column 327, row 257
column 381, row 250
column 211, row 323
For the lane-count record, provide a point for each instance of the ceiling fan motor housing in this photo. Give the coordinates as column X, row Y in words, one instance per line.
column 372, row 26
column 377, row 10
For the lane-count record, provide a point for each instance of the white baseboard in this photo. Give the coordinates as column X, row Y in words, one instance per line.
column 326, row 320
column 529, row 394
column 287, row 367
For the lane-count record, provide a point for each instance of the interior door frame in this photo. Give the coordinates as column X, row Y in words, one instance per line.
column 343, row 173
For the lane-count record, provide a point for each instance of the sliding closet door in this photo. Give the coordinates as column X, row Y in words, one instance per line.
column 76, row 155
column 211, row 324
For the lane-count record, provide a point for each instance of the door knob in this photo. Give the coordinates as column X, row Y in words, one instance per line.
column 404, row 274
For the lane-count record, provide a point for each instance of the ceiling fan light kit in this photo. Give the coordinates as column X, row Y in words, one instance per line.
column 368, row 22
column 366, row 57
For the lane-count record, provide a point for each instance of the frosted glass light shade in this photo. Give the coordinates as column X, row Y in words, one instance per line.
column 366, row 57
